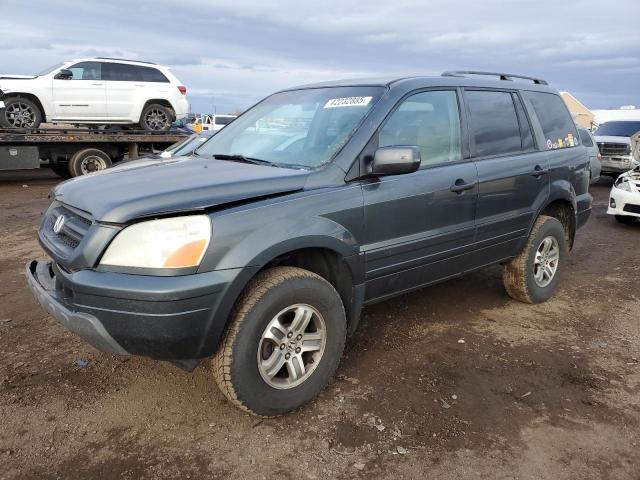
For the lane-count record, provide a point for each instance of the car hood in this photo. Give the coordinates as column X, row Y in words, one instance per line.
column 4, row 76
column 611, row 139
column 151, row 187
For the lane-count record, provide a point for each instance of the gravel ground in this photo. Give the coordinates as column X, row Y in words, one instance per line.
column 453, row 381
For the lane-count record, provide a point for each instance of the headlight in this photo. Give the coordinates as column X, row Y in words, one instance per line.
column 624, row 185
column 175, row 242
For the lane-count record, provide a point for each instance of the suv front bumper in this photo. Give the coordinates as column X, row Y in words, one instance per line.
column 167, row 318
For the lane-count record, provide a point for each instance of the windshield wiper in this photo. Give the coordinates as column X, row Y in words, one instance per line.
column 242, row 158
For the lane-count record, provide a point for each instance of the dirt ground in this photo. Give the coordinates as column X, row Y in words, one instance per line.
column 454, row 381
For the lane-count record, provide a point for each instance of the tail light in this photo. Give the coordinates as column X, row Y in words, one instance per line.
column 183, row 89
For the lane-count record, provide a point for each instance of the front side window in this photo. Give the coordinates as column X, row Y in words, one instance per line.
column 86, row 71
column 556, row 122
column 428, row 120
column 493, row 123
column 298, row 128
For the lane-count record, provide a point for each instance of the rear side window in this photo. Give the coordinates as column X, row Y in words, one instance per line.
column 430, row 121
column 494, row 123
column 150, row 74
column 556, row 122
column 122, row 72
column 86, row 71
column 585, row 138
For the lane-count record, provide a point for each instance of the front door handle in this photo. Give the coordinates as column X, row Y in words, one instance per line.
column 538, row 171
column 97, row 84
column 460, row 186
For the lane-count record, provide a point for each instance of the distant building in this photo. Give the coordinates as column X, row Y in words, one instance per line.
column 581, row 114
column 622, row 113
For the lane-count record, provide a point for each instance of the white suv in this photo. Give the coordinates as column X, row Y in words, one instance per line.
column 102, row 91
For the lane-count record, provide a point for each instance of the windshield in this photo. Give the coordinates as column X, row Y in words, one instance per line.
column 47, row 71
column 299, row 128
column 188, row 145
column 618, row 129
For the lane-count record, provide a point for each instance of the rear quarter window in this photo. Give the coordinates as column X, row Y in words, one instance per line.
column 585, row 138
column 554, row 117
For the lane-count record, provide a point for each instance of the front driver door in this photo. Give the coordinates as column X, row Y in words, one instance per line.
column 84, row 96
column 420, row 227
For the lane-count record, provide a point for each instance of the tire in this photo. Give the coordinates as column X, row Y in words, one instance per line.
column 626, row 219
column 156, row 118
column 87, row 161
column 519, row 275
column 20, row 112
column 244, row 346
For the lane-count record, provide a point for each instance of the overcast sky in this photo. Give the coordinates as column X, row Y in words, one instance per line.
column 230, row 54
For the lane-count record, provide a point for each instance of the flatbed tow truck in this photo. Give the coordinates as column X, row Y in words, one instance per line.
column 71, row 152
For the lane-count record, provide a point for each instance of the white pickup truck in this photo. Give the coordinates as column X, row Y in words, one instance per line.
column 618, row 141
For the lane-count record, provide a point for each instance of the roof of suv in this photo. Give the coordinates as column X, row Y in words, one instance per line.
column 117, row 60
column 524, row 83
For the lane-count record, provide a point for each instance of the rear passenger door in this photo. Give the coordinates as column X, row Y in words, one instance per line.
column 513, row 174
column 121, row 80
column 418, row 226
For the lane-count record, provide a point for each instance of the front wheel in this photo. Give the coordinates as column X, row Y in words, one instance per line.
column 283, row 344
column 156, row 118
column 20, row 113
column 533, row 275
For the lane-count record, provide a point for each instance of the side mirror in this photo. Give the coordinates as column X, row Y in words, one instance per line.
column 395, row 160
column 64, row 74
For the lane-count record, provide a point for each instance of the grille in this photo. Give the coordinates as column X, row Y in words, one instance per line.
column 629, row 207
column 73, row 230
column 614, row 149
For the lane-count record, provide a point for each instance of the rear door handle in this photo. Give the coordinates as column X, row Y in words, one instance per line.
column 538, row 171
column 97, row 84
column 460, row 186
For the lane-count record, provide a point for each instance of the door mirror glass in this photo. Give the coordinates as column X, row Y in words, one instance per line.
column 64, row 74
column 395, row 160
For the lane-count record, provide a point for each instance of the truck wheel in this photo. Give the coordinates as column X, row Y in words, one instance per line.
column 533, row 275
column 156, row 118
column 20, row 113
column 283, row 344
column 88, row 160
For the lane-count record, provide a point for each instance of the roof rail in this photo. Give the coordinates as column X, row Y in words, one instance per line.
column 503, row 76
column 125, row 60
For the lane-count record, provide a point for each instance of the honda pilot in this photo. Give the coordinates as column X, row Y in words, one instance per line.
column 261, row 249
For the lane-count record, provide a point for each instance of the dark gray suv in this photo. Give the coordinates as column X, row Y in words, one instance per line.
column 262, row 248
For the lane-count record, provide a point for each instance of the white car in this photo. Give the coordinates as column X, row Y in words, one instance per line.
column 99, row 91
column 624, row 199
column 213, row 122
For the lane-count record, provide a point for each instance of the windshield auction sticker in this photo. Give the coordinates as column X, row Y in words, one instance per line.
column 348, row 102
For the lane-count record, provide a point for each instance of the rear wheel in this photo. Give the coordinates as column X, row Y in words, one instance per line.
column 626, row 219
column 156, row 118
column 284, row 342
column 87, row 161
column 20, row 113
column 533, row 275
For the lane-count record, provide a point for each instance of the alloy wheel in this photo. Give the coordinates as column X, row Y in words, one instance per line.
column 291, row 346
column 20, row 115
column 546, row 261
column 157, row 119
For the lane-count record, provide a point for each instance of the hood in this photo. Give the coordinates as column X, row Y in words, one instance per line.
column 611, row 139
column 17, row 77
column 154, row 186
